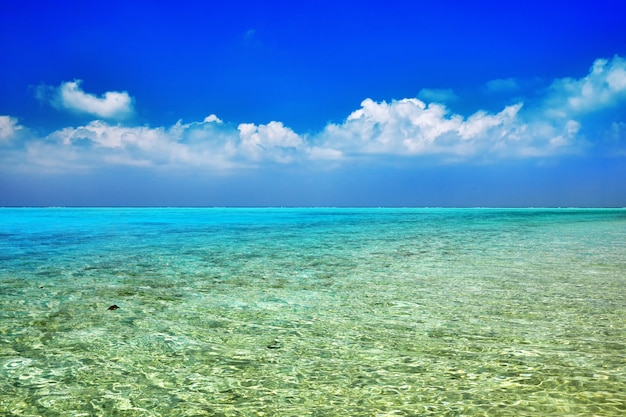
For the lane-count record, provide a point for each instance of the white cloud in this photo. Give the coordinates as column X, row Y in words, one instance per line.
column 399, row 128
column 271, row 141
column 409, row 127
column 412, row 127
column 70, row 96
column 317, row 153
column 104, row 135
column 194, row 144
column 8, row 128
column 603, row 87
column 550, row 126
column 212, row 119
column 210, row 145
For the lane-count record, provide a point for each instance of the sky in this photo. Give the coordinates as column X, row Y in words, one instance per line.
column 313, row 103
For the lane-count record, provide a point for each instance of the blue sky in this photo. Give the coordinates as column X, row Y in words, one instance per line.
column 400, row 103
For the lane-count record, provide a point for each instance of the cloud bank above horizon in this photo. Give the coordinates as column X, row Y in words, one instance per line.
column 569, row 116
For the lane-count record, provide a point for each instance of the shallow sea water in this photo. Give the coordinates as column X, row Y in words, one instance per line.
column 312, row 312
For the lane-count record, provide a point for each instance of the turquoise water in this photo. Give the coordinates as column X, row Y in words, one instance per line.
column 312, row 312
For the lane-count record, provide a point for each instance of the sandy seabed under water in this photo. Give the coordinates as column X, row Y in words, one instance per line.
column 312, row 312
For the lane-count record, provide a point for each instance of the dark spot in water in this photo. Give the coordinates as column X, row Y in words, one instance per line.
column 275, row 345
column 113, row 307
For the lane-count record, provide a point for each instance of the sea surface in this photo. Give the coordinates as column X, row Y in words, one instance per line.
column 312, row 312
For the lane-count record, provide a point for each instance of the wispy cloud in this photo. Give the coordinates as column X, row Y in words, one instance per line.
column 552, row 125
column 502, row 85
column 438, row 95
column 70, row 96
column 250, row 33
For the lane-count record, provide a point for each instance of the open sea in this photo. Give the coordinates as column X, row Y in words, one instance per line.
column 312, row 312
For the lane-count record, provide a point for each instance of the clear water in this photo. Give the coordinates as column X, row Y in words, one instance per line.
column 312, row 312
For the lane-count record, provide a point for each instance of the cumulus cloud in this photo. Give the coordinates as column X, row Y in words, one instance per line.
column 412, row 127
column 8, row 128
column 554, row 124
column 604, row 86
column 70, row 96
column 551, row 125
column 210, row 144
column 178, row 145
column 104, row 135
column 212, row 119
column 273, row 141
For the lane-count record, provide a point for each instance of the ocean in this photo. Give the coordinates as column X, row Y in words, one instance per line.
column 312, row 312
